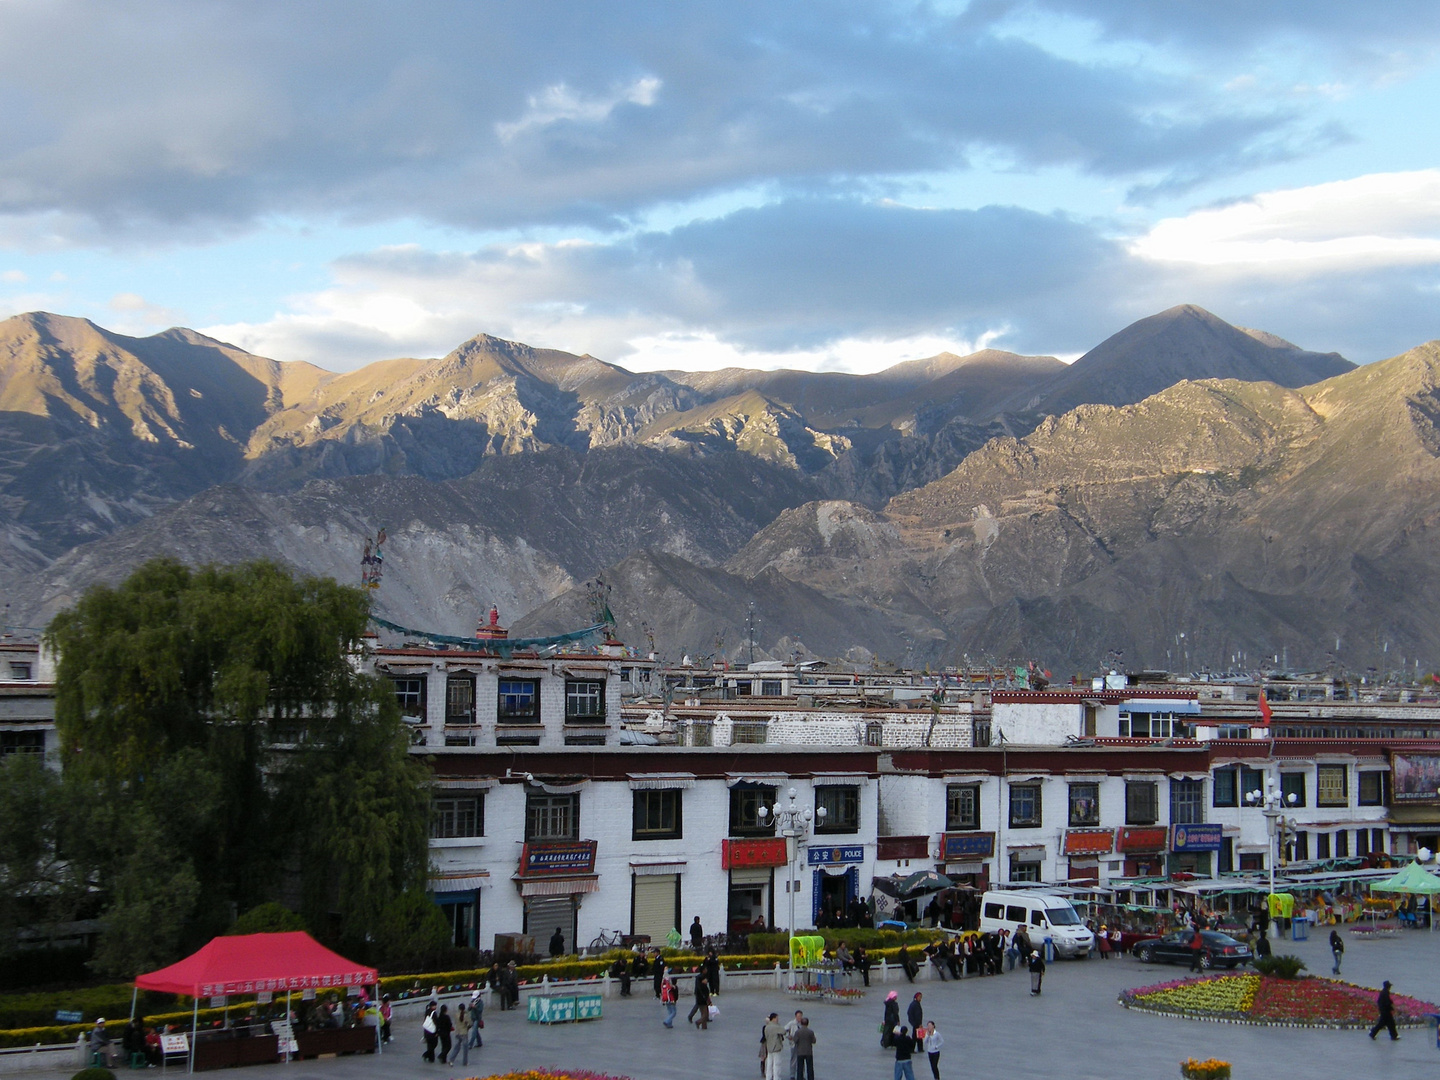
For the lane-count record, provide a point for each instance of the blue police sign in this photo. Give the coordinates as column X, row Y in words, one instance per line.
column 835, row 856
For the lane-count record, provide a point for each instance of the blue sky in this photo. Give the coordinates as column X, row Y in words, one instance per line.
column 685, row 185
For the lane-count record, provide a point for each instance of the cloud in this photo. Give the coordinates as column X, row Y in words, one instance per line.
column 559, row 103
column 14, row 277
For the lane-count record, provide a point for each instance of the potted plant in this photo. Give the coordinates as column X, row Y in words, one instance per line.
column 1209, row 1069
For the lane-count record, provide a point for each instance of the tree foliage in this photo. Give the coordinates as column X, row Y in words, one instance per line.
column 221, row 749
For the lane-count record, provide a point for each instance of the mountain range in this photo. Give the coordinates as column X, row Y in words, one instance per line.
column 1187, row 492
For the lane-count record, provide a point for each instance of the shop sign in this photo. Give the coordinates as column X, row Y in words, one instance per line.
column 1149, row 838
column 557, row 858
column 1089, row 842
column 834, row 856
column 1196, row 837
column 747, row 854
column 967, row 847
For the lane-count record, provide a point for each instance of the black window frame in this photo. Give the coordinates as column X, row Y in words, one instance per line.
column 841, row 821
column 1134, row 813
column 649, row 809
column 577, row 715
column 447, row 810
column 1378, row 799
column 1292, row 783
column 537, row 802
column 511, row 715
column 1077, row 800
column 1187, row 802
column 411, row 701
column 1035, row 793
column 1329, row 768
column 21, row 742
column 745, row 800
column 953, row 821
column 454, row 683
column 1223, row 781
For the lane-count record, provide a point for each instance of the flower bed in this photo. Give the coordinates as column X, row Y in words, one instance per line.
column 1255, row 999
column 546, row 1074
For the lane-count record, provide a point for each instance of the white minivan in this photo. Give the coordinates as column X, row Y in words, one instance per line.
column 1043, row 914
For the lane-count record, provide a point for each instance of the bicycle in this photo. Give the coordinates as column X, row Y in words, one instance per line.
column 607, row 940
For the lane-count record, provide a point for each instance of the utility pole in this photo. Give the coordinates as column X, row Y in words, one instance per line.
column 750, row 629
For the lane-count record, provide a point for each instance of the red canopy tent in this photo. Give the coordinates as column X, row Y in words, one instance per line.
column 253, row 963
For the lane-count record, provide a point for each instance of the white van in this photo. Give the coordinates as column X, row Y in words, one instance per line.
column 1043, row 915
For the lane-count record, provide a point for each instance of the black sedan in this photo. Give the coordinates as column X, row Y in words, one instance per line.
column 1221, row 950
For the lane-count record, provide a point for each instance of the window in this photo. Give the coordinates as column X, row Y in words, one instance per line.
column 1301, row 847
column 584, row 702
column 749, row 731
column 457, row 815
column 1025, row 810
column 962, row 807
column 1250, row 780
column 841, row 804
column 702, row 733
column 1322, row 845
column 1023, row 871
column 657, row 815
column 1331, row 787
column 19, row 671
column 1233, row 731
column 1372, row 788
column 1084, row 804
column 1187, row 802
column 410, row 696
column 1377, row 840
column 771, row 687
column 519, row 701
column 745, row 803
column 21, row 742
column 1142, row 802
column 1362, row 841
column 460, row 700
column 1342, row 844
column 874, row 733
column 1227, row 854
column 552, row 817
column 1224, row 787
column 1293, row 783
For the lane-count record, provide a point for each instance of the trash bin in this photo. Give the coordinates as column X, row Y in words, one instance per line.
column 1435, row 1018
column 1299, row 930
column 1049, row 950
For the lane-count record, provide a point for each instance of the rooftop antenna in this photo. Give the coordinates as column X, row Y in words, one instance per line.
column 750, row 629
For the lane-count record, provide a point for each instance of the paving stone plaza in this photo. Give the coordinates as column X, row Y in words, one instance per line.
column 993, row 1028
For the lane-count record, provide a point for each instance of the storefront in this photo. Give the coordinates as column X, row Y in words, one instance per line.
column 1084, row 849
column 655, row 899
column 834, row 880
column 1143, row 848
column 552, row 878
column 1193, row 848
column 965, row 858
column 751, row 865
column 458, row 897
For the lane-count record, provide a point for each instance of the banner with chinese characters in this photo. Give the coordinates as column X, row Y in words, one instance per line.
column 1196, row 837
column 1147, row 838
column 966, row 846
column 835, row 856
column 557, row 858
column 747, row 854
column 1089, row 842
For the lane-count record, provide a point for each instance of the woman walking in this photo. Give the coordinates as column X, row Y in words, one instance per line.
column 933, row 1041
column 463, row 1022
column 427, row 1029
column 890, row 1020
column 668, row 994
column 444, row 1025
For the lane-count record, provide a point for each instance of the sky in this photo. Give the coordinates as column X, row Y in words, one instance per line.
column 838, row 186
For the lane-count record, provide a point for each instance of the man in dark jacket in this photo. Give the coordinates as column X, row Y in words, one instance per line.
column 904, row 1047
column 1197, row 950
column 657, row 971
column 1037, row 972
column 702, row 1003
column 1387, row 1013
column 697, row 935
column 711, row 967
column 915, row 1013
column 557, row 943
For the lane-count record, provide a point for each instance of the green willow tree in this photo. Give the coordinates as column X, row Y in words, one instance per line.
column 222, row 749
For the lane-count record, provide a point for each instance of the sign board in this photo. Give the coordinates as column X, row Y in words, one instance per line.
column 175, row 1044
column 835, row 856
column 966, row 846
column 69, row 1016
column 1196, row 837
column 1416, row 778
column 264, row 997
column 1089, row 842
column 587, row 1006
column 297, row 982
column 557, row 858
column 219, row 1001
column 550, row 1008
column 308, row 995
column 352, row 991
column 745, row 854
column 1146, row 838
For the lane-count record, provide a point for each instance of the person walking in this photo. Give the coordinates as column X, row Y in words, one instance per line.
column 444, row 1027
column 862, row 963
column 1102, row 942
column 1337, row 950
column 1197, row 951
column 790, row 1029
column 933, row 1041
column 1387, row 1013
column 773, row 1036
column 904, row 1050
column 702, row 1004
column 477, row 1022
column 1037, row 972
column 805, row 1041
column 463, row 1023
column 711, row 966
column 429, row 1033
column 890, row 1020
column 915, row 1013
column 669, row 992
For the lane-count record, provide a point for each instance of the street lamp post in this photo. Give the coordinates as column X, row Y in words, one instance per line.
column 1272, row 804
column 792, row 821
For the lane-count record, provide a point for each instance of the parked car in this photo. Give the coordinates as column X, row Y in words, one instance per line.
column 1221, row 950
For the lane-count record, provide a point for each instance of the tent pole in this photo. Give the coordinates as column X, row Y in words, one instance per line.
column 134, row 997
column 287, row 1025
column 194, row 1031
column 375, row 1005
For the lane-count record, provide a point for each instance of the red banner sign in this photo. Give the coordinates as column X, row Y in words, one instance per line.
column 1146, row 839
column 1089, row 842
column 745, row 854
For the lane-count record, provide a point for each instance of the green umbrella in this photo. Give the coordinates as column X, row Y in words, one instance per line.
column 923, row 881
column 1414, row 880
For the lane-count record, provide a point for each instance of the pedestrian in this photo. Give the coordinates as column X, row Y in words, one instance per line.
column 933, row 1041
column 702, row 1003
column 915, row 1013
column 790, row 1029
column 386, row 1012
column 477, row 1021
column 463, row 1022
column 657, row 966
column 557, row 944
column 429, row 1033
column 697, row 935
column 1037, row 972
column 1387, row 1013
column 711, row 967
column 889, row 1021
column 773, row 1044
column 669, row 993
column 444, row 1026
column 1337, row 950
column 1102, row 942
column 805, row 1041
column 904, row 1048
column 862, row 963
column 1197, row 951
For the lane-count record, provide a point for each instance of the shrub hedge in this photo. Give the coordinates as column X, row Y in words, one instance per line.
column 852, row 936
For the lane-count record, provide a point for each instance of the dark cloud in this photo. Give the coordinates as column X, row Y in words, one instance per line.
column 178, row 115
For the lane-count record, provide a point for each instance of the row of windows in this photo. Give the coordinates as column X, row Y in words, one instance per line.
column 1142, row 804
column 657, row 815
column 1332, row 786
column 518, row 700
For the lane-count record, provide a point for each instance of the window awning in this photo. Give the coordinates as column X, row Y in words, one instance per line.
column 446, row 784
column 1176, row 708
column 558, row 886
column 470, row 879
column 648, row 869
column 660, row 781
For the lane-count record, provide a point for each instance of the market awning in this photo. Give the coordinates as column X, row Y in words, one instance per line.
column 247, row 963
column 1412, row 879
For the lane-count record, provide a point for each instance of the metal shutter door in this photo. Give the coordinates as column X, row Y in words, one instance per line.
column 542, row 916
column 655, row 905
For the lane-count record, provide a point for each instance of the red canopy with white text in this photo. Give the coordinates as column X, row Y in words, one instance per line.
column 249, row 963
